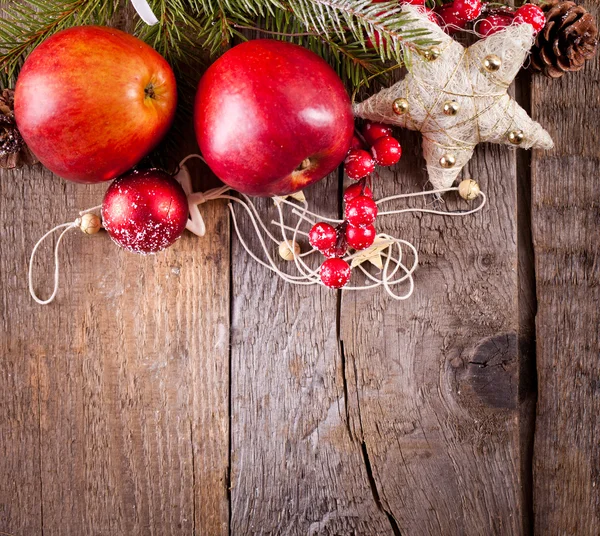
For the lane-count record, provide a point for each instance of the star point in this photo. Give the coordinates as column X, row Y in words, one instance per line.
column 460, row 98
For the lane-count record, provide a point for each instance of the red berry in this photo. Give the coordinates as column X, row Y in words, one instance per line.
column 322, row 236
column 360, row 237
column 335, row 273
column 354, row 190
column 361, row 210
column 492, row 24
column 452, row 22
column 467, row 9
column 356, row 143
column 531, row 15
column 386, row 151
column 358, row 164
column 373, row 131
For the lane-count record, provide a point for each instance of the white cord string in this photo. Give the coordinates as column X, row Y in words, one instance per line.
column 67, row 227
column 395, row 270
column 397, row 258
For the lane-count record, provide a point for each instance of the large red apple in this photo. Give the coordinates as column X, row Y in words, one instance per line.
column 272, row 117
column 91, row 102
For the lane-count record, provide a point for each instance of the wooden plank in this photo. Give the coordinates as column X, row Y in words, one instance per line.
column 433, row 381
column 566, row 197
column 295, row 467
column 125, row 375
column 134, row 372
column 20, row 482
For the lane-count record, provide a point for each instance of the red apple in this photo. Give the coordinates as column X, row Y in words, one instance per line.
column 272, row 117
column 91, row 102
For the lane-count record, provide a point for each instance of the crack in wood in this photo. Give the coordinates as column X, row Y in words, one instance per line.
column 376, row 497
column 363, row 448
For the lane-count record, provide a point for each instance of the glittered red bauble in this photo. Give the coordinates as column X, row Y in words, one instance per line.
column 91, row 102
column 145, row 211
column 272, row 117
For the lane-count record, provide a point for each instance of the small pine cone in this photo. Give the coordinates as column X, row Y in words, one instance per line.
column 568, row 39
column 14, row 153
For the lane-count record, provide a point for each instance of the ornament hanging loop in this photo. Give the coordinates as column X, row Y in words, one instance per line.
column 66, row 227
column 145, row 12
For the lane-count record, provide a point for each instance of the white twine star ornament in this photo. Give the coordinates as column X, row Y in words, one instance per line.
column 457, row 97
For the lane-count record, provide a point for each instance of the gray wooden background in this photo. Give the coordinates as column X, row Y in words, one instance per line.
column 193, row 392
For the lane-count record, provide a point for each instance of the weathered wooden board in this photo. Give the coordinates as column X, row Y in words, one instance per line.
column 20, row 481
column 118, row 391
column 566, row 201
column 433, row 381
column 295, row 467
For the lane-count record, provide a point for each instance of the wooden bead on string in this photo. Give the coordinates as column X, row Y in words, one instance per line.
column 469, row 189
column 286, row 253
column 90, row 223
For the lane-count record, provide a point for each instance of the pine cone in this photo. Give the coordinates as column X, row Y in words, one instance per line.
column 14, row 153
column 566, row 41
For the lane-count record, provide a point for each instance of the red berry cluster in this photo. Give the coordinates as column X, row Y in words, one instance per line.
column 360, row 211
column 384, row 150
column 455, row 15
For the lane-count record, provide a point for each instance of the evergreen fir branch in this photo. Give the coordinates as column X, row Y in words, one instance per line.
column 384, row 24
column 26, row 24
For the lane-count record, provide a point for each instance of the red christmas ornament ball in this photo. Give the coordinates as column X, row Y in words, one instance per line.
column 386, row 151
column 360, row 237
column 361, row 210
column 145, row 211
column 335, row 273
column 531, row 14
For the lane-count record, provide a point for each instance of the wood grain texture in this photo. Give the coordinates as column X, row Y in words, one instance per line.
column 566, row 201
column 126, row 372
column 433, row 381
column 295, row 468
column 20, row 479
